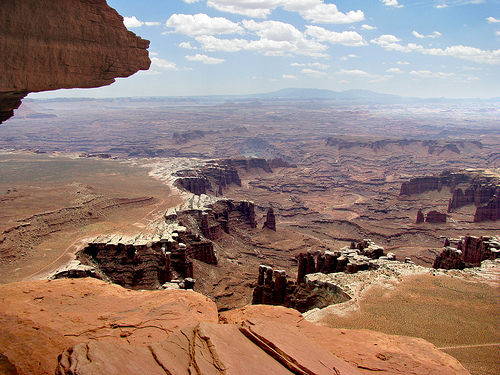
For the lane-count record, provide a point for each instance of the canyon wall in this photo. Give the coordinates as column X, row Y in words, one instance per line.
column 478, row 187
column 48, row 45
column 470, row 252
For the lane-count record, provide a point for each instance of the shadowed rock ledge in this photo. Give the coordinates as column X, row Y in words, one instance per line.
column 49, row 45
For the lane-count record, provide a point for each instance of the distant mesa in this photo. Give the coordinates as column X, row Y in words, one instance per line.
column 60, row 33
column 471, row 186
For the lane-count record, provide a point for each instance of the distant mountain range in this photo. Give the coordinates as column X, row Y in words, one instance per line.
column 291, row 94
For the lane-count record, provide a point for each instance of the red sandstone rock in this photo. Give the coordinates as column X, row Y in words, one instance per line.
column 435, row 217
column 209, row 348
column 39, row 319
column 368, row 350
column 419, row 185
column 48, row 45
column 420, row 217
column 112, row 330
column 270, row 222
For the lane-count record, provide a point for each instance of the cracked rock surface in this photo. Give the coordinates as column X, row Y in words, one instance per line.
column 99, row 328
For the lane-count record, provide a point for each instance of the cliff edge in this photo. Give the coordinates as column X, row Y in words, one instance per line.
column 49, row 45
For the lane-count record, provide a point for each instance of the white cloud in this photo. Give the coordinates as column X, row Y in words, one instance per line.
column 288, row 76
column 347, row 38
column 429, row 74
column 403, row 63
column 350, row 56
column 368, row 27
column 328, row 13
column 186, row 45
column 250, row 8
column 385, row 39
column 441, row 6
column 202, row 24
column 315, row 11
column 389, row 43
column 131, row 22
column 205, row 59
column 435, row 34
column 211, row 43
column 470, row 68
column 355, row 72
column 316, row 65
column 394, row 70
column 362, row 75
column 266, row 46
column 492, row 20
column 313, row 73
column 274, row 30
column 392, row 3
column 497, row 33
column 163, row 64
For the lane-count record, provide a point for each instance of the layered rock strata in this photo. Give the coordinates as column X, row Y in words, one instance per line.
column 270, row 222
column 274, row 288
column 470, row 252
column 350, row 260
column 478, row 187
column 147, row 262
column 63, row 44
column 435, row 217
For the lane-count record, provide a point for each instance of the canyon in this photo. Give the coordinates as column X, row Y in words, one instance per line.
column 180, row 235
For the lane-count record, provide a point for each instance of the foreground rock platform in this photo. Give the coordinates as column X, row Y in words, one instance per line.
column 100, row 328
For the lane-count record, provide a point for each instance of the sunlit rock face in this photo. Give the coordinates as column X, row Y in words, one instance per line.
column 49, row 45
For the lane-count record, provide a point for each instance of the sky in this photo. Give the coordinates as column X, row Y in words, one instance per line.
column 427, row 48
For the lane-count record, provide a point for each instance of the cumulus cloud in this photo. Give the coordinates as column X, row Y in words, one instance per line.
column 202, row 24
column 347, row 38
column 492, row 20
column 211, row 43
column 186, row 45
column 315, row 11
column 316, row 65
column 163, row 64
column 131, row 22
column 274, row 30
column 328, row 13
column 440, row 6
column 435, row 34
column 355, row 73
column 394, row 70
column 368, row 27
column 403, row 63
column 385, row 39
column 429, row 74
column 268, row 47
column 392, row 3
column 205, row 59
column 288, row 76
column 390, row 43
column 362, row 75
column 497, row 33
column 313, row 73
